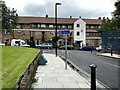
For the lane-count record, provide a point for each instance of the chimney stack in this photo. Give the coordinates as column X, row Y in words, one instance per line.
column 79, row 16
column 46, row 16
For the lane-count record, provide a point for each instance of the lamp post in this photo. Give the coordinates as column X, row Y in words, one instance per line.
column 56, row 27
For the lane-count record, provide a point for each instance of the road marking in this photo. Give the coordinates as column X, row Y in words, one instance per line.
column 110, row 64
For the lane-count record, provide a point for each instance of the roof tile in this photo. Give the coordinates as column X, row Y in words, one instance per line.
column 51, row 20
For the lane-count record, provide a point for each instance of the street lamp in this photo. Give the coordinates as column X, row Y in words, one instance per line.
column 56, row 27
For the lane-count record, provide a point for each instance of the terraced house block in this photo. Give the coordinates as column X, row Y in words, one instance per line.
column 83, row 31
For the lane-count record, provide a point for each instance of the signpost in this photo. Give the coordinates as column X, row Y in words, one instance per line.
column 65, row 32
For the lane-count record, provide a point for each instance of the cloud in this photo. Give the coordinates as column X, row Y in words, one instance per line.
column 75, row 8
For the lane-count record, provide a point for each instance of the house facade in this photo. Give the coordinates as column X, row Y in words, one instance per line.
column 42, row 29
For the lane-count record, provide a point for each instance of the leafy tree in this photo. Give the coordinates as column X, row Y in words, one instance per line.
column 114, row 23
column 9, row 18
column 116, row 15
column 106, row 25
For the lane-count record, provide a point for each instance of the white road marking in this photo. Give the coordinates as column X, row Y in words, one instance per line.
column 110, row 64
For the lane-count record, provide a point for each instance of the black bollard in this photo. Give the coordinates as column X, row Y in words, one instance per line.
column 93, row 76
column 111, row 52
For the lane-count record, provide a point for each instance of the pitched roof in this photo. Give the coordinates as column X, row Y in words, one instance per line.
column 92, row 21
column 51, row 20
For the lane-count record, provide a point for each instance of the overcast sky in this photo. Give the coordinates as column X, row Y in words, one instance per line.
column 74, row 8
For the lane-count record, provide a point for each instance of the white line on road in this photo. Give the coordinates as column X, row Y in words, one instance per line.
column 110, row 64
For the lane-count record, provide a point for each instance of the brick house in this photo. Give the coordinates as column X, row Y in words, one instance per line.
column 83, row 31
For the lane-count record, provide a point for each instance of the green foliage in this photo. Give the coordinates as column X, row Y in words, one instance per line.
column 15, row 61
column 116, row 14
column 114, row 23
column 9, row 18
column 54, row 39
column 107, row 25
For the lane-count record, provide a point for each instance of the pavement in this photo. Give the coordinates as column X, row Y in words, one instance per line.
column 109, row 55
column 54, row 75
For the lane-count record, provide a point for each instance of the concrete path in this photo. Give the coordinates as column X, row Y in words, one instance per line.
column 109, row 55
column 54, row 75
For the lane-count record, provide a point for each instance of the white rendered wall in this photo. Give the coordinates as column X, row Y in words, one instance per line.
column 82, row 32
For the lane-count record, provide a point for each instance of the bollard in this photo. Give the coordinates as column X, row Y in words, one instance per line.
column 111, row 52
column 93, row 76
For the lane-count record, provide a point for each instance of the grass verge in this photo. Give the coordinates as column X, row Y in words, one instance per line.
column 15, row 61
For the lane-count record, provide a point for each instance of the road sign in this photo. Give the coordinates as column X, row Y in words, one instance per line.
column 64, row 32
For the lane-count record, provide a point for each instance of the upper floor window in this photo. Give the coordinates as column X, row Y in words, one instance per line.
column 78, row 33
column 69, row 26
column 92, row 27
column 87, row 27
column 78, row 25
column 34, row 25
column 38, row 25
column 63, row 26
column 43, row 26
column 50, row 26
column 18, row 26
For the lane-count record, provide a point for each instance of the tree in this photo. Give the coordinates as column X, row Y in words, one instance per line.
column 106, row 26
column 116, row 16
column 114, row 23
column 9, row 18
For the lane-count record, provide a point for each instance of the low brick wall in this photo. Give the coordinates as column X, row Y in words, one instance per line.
column 25, row 81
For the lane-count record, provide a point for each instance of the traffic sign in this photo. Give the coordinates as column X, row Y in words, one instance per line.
column 64, row 32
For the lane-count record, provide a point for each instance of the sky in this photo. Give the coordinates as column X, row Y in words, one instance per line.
column 74, row 8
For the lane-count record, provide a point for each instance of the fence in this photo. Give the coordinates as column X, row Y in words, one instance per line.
column 111, row 40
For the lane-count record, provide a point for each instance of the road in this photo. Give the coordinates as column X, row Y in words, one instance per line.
column 107, row 68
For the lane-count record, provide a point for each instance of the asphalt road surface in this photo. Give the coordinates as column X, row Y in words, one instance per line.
column 107, row 68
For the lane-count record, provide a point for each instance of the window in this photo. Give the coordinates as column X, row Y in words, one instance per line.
column 78, row 33
column 87, row 27
column 63, row 26
column 42, row 25
column 92, row 27
column 50, row 26
column 78, row 25
column 38, row 25
column 69, row 26
column 18, row 26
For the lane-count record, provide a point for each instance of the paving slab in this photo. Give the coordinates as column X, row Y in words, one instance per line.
column 54, row 75
column 109, row 55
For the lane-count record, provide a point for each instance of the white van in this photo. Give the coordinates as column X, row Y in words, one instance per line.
column 19, row 42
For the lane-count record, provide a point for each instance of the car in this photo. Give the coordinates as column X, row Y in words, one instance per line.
column 69, row 47
column 86, row 48
column 19, row 42
column 1, row 44
column 45, row 45
column 99, row 48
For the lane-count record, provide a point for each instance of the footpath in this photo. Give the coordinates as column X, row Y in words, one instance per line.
column 54, row 75
column 117, row 56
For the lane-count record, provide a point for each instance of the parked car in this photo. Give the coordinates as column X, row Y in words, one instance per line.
column 1, row 44
column 45, row 45
column 19, row 42
column 69, row 47
column 86, row 48
column 99, row 48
